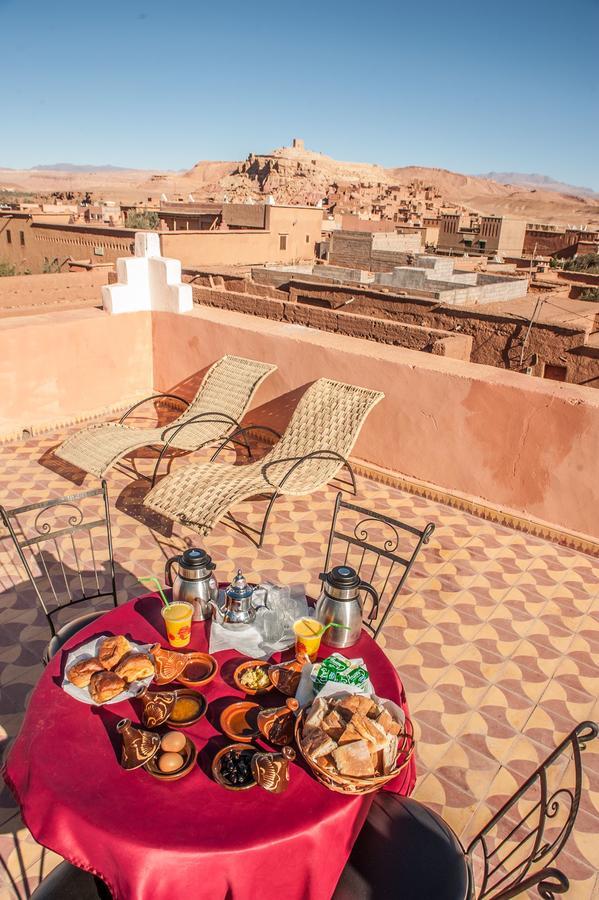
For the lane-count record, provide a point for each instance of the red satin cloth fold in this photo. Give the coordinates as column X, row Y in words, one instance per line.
column 150, row 840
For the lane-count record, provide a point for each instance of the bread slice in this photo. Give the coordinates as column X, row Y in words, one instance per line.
column 333, row 725
column 355, row 703
column 354, row 759
column 385, row 720
column 371, row 731
column 316, row 713
column 349, row 735
column 316, row 743
column 390, row 753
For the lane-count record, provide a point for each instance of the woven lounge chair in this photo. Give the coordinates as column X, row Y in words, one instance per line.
column 315, row 447
column 224, row 395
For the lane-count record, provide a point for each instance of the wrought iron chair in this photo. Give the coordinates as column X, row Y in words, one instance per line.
column 382, row 550
column 64, row 580
column 407, row 850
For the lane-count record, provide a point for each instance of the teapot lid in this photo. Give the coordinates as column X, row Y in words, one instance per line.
column 343, row 576
column 239, row 588
column 195, row 558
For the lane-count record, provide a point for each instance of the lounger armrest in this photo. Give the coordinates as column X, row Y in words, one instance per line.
column 153, row 397
column 209, row 418
column 297, row 461
column 242, row 432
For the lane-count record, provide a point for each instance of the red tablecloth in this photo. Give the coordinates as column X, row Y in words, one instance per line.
column 150, row 840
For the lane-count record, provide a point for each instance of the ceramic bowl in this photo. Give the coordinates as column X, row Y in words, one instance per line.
column 216, row 772
column 188, row 694
column 239, row 721
column 189, row 754
column 251, row 664
column 205, row 667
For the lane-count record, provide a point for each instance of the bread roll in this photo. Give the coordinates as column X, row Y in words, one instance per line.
column 104, row 686
column 112, row 650
column 135, row 666
column 81, row 672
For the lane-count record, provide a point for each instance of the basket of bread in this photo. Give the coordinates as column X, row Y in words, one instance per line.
column 354, row 743
column 108, row 669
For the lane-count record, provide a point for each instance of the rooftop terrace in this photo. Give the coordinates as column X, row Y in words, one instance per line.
column 496, row 633
column 494, row 640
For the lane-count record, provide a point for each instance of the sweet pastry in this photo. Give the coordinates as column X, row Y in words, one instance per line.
column 112, row 650
column 135, row 666
column 104, row 686
column 354, row 760
column 81, row 672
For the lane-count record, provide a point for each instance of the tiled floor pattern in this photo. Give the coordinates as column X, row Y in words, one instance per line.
column 495, row 638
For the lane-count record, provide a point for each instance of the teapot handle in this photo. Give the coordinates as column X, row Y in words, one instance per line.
column 168, row 579
column 364, row 586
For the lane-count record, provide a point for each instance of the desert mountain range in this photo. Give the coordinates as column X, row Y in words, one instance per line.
column 298, row 175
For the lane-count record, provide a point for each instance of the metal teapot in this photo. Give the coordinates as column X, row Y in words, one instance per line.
column 194, row 581
column 236, row 605
column 340, row 603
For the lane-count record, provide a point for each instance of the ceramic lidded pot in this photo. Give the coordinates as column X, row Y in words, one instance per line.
column 138, row 745
column 286, row 676
column 156, row 707
column 278, row 724
column 169, row 664
column 271, row 770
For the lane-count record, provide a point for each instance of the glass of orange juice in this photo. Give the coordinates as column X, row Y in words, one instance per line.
column 308, row 633
column 177, row 618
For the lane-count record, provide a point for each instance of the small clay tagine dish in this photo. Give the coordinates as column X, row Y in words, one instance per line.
column 200, row 668
column 138, row 745
column 189, row 754
column 286, row 676
column 189, row 707
column 219, row 766
column 271, row 770
column 239, row 721
column 156, row 707
column 278, row 724
column 250, row 670
column 169, row 664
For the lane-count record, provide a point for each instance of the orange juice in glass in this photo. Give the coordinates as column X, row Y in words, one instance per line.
column 177, row 618
column 308, row 633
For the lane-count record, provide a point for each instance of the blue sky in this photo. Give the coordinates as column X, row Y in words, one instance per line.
column 512, row 87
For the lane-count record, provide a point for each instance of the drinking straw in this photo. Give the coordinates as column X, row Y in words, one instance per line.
column 153, row 580
column 322, row 630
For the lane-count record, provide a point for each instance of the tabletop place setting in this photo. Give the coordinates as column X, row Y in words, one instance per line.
column 303, row 698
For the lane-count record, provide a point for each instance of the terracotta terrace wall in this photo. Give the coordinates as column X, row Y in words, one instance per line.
column 69, row 366
column 525, row 445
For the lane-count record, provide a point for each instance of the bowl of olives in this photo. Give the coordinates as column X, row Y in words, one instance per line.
column 232, row 767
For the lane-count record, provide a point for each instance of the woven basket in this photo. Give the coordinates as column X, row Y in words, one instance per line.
column 347, row 784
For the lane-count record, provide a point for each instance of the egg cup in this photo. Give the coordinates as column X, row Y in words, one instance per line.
column 189, row 754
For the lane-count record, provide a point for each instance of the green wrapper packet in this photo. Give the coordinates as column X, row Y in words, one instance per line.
column 340, row 670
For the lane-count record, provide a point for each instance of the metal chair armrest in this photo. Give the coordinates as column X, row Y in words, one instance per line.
column 298, row 461
column 242, row 431
column 147, row 400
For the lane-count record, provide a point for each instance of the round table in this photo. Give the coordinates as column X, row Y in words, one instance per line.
column 151, row 840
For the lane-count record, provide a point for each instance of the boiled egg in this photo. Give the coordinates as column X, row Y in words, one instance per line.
column 170, row 762
column 173, row 742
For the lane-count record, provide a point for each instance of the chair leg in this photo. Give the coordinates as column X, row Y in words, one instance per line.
column 271, row 503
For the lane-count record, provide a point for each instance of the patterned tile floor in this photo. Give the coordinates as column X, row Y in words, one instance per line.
column 495, row 639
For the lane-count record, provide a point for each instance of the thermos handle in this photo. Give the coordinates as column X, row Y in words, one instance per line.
column 168, row 570
column 364, row 586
